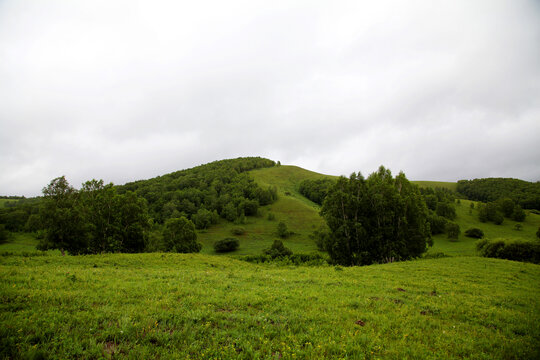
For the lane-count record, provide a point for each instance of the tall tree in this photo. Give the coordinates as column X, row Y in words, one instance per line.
column 375, row 220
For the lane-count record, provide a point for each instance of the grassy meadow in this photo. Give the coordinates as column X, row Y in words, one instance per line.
column 203, row 306
column 208, row 307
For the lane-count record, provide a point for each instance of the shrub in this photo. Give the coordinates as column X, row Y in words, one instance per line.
column 271, row 216
column 453, row 231
column 179, row 236
column 447, row 210
column 517, row 250
column 294, row 259
column 538, row 232
column 437, row 224
column 238, row 231
column 498, row 218
column 474, row 233
column 282, row 230
column 226, row 245
column 518, row 214
column 518, row 227
column 277, row 250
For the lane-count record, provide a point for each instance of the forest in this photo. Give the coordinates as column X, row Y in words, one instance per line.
column 524, row 193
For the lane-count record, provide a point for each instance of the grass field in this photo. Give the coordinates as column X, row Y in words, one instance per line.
column 200, row 306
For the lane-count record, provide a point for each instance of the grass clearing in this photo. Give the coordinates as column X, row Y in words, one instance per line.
column 200, row 307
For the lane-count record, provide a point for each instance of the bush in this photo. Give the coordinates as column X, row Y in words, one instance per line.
column 437, row 224
column 446, row 210
column 226, row 245
column 179, row 236
column 474, row 233
column 517, row 250
column 498, row 218
column 277, row 250
column 271, row 217
column 238, row 231
column 453, row 231
column 294, row 259
column 282, row 230
column 518, row 214
column 538, row 232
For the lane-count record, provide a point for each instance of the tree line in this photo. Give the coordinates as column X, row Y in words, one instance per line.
column 523, row 193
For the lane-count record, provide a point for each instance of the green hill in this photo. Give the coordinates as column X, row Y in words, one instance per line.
column 300, row 215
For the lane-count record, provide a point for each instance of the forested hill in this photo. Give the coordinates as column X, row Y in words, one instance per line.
column 524, row 193
column 220, row 188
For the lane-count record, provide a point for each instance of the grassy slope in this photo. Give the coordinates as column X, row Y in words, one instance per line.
column 467, row 218
column 300, row 215
column 199, row 306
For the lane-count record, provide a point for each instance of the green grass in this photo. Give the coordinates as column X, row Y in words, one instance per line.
column 435, row 184
column 200, row 307
column 300, row 214
column 19, row 242
column 467, row 218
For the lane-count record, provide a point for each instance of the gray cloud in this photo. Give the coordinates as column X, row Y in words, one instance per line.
column 122, row 90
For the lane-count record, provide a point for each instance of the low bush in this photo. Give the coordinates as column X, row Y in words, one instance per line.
column 517, row 250
column 474, row 233
column 238, row 231
column 277, row 250
column 226, row 245
column 294, row 259
column 453, row 231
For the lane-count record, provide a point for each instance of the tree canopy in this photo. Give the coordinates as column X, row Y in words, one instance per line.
column 377, row 219
column 524, row 193
column 92, row 220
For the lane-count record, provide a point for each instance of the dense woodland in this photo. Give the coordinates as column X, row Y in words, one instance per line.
column 219, row 188
column 523, row 193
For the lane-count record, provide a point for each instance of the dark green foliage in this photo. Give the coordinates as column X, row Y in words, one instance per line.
column 527, row 251
column 179, row 236
column 538, row 232
column 226, row 245
column 518, row 227
column 277, row 250
column 3, row 234
column 437, row 224
column 375, row 220
column 518, row 214
column 282, row 230
column 498, row 218
column 294, row 259
column 452, row 230
column 490, row 212
column 221, row 186
column 271, row 216
column 446, row 210
column 524, row 193
column 316, row 190
column 204, row 218
column 93, row 220
column 507, row 206
column 321, row 237
column 474, row 233
column 33, row 223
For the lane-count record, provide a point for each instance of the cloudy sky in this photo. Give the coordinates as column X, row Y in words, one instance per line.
column 127, row 90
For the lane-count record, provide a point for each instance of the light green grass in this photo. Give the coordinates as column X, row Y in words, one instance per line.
column 467, row 219
column 208, row 307
column 437, row 184
column 300, row 214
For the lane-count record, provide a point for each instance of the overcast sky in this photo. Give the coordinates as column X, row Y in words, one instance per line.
column 128, row 90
